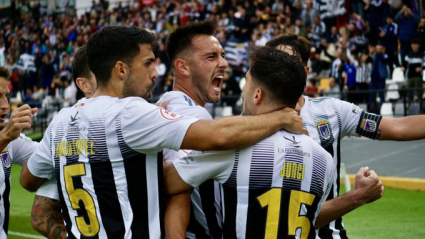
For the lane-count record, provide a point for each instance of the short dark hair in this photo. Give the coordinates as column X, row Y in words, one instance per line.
column 282, row 75
column 300, row 45
column 115, row 43
column 80, row 65
column 181, row 38
column 416, row 41
column 5, row 73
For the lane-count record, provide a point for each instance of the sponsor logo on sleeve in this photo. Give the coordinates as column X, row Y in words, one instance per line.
column 323, row 128
column 356, row 110
column 368, row 125
column 79, row 105
column 169, row 115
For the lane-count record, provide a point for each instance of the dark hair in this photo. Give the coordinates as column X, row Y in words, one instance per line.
column 115, row 43
column 282, row 75
column 5, row 73
column 416, row 41
column 181, row 39
column 300, row 45
column 80, row 65
column 80, row 68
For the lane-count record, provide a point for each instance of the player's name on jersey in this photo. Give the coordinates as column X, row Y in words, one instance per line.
column 75, row 147
column 292, row 170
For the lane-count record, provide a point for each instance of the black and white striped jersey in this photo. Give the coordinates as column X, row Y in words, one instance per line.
column 275, row 187
column 106, row 154
column 327, row 121
column 16, row 152
column 206, row 219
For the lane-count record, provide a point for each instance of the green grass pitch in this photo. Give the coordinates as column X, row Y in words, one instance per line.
column 400, row 214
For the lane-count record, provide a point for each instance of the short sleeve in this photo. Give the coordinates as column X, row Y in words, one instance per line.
column 349, row 115
column 40, row 163
column 148, row 129
column 49, row 189
column 197, row 167
column 22, row 149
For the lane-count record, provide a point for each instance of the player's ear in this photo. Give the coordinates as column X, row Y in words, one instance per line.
column 121, row 69
column 258, row 96
column 82, row 84
column 182, row 67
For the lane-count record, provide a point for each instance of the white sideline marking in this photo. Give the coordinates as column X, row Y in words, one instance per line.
column 26, row 235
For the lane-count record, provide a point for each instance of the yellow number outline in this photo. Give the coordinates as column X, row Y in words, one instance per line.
column 79, row 194
column 272, row 199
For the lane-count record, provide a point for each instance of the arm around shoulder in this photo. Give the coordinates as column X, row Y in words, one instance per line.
column 240, row 131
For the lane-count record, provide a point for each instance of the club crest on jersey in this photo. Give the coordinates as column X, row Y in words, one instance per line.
column 323, row 128
column 368, row 125
column 5, row 158
column 169, row 115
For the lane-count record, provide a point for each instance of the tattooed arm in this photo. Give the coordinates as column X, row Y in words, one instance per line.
column 46, row 218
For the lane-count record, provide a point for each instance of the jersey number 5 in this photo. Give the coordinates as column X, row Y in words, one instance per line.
column 272, row 200
column 77, row 195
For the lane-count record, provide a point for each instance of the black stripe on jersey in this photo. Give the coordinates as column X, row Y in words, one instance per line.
column 232, row 180
column 161, row 191
column 319, row 171
column 207, row 193
column 256, row 218
column 53, row 142
column 230, row 200
column 135, row 171
column 6, row 203
column 104, row 182
column 77, row 181
column 261, row 170
column 195, row 227
column 370, row 132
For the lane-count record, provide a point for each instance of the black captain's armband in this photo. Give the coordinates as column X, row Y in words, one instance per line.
column 368, row 125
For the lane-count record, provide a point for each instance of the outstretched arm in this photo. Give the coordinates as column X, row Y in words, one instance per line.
column 367, row 188
column 240, row 131
column 402, row 129
column 46, row 217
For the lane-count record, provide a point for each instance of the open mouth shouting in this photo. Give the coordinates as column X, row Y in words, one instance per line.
column 217, row 82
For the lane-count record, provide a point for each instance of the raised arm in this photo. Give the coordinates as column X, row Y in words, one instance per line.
column 367, row 188
column 402, row 129
column 240, row 131
column 19, row 120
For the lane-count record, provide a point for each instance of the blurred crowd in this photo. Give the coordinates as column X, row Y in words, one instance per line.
column 357, row 43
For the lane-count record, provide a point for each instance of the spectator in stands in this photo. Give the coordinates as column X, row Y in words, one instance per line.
column 376, row 11
column 389, row 38
column 413, row 65
column 47, row 73
column 378, row 76
column 421, row 32
column 308, row 13
column 407, row 24
column 349, row 73
column 311, row 89
column 230, row 91
column 333, row 90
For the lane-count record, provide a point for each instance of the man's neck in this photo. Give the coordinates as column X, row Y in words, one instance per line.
column 188, row 90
